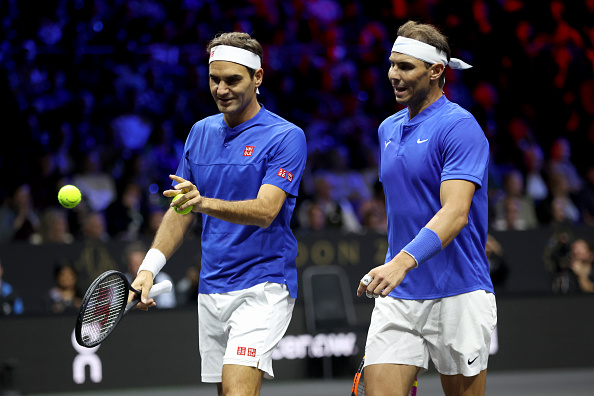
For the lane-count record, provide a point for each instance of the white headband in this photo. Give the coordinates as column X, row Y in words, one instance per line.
column 235, row 55
column 426, row 53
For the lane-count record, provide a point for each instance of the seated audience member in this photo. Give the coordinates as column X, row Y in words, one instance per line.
column 536, row 185
column 10, row 302
column 65, row 296
column 585, row 199
column 126, row 213
column 373, row 211
column 18, row 217
column 98, row 187
column 581, row 263
column 134, row 255
column 339, row 215
column 54, row 227
column 560, row 163
column 514, row 210
column 558, row 208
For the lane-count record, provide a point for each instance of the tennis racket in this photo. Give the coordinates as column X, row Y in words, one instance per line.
column 104, row 305
column 359, row 387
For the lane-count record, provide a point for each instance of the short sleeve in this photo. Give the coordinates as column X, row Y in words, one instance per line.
column 286, row 166
column 466, row 152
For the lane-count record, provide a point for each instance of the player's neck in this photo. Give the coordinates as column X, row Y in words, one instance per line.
column 432, row 97
column 234, row 119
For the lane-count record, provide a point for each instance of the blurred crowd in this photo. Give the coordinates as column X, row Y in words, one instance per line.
column 101, row 94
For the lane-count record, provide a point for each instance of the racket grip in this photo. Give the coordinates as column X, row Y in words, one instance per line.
column 160, row 288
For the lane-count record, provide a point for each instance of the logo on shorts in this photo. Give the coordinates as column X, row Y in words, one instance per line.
column 248, row 151
column 282, row 173
column 472, row 361
column 250, row 351
column 289, row 176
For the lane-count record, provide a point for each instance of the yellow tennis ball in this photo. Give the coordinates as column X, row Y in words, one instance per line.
column 186, row 210
column 69, row 196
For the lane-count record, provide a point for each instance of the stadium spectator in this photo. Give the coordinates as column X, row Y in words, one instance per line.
column 373, row 211
column 585, row 197
column 514, row 210
column 18, row 217
column 126, row 215
column 65, row 296
column 10, row 301
column 339, row 213
column 581, row 264
column 54, row 227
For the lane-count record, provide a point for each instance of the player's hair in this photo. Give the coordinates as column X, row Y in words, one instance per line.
column 427, row 34
column 239, row 40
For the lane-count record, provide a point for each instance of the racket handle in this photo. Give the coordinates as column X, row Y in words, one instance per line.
column 160, row 288
column 157, row 289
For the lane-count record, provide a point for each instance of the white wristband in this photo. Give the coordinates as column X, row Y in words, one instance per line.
column 153, row 262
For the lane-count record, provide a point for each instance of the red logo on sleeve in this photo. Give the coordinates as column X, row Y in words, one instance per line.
column 252, row 352
column 282, row 173
column 241, row 350
column 248, row 151
column 289, row 176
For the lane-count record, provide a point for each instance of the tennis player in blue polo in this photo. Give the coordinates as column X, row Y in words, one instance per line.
column 241, row 170
column 438, row 297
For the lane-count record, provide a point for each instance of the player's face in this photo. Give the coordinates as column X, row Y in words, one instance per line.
column 410, row 79
column 233, row 90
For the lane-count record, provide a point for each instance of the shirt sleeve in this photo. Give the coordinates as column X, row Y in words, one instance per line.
column 285, row 168
column 466, row 152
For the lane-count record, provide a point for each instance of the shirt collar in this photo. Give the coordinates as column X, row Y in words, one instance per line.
column 429, row 111
column 247, row 124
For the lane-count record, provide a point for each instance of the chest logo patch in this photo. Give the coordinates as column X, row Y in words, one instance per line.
column 386, row 143
column 248, row 151
column 419, row 141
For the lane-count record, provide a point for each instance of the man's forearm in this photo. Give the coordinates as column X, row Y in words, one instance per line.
column 171, row 232
column 249, row 212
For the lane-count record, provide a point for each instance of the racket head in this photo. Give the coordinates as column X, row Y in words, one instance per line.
column 358, row 388
column 102, row 308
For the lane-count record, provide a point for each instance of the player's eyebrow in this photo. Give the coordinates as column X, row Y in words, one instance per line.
column 229, row 77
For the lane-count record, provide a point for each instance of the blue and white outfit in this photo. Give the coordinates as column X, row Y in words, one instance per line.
column 442, row 142
column 240, row 262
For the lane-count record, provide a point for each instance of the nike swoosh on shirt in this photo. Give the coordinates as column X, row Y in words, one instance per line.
column 386, row 144
column 472, row 361
column 421, row 141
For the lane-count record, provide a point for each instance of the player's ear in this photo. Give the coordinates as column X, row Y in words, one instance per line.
column 436, row 70
column 258, row 76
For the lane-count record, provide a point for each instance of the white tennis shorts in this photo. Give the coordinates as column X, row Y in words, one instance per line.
column 455, row 332
column 242, row 327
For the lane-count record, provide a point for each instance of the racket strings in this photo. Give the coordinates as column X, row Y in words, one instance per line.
column 103, row 309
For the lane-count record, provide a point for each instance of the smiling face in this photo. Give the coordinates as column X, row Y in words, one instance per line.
column 234, row 91
column 415, row 85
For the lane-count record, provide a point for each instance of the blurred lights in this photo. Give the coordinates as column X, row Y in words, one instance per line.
column 98, row 26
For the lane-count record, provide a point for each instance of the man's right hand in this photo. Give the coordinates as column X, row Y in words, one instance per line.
column 143, row 283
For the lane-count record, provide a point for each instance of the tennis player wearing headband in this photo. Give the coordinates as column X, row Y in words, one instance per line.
column 241, row 171
column 438, row 297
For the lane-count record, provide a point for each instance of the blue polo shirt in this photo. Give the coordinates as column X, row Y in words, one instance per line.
column 443, row 142
column 231, row 164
